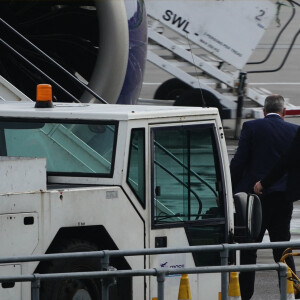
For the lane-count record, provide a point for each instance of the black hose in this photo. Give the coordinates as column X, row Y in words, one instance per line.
column 284, row 60
column 277, row 38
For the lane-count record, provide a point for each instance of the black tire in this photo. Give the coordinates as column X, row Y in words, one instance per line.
column 197, row 97
column 89, row 289
column 171, row 89
column 192, row 97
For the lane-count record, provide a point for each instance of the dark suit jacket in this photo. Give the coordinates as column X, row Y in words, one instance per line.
column 261, row 144
column 288, row 163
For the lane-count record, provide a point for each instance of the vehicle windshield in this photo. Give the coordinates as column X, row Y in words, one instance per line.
column 70, row 148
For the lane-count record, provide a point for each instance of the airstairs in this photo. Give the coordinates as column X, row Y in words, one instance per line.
column 205, row 63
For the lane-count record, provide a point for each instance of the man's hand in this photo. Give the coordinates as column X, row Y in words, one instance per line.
column 258, row 188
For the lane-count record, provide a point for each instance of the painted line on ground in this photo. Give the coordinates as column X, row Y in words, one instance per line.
column 249, row 83
column 273, row 83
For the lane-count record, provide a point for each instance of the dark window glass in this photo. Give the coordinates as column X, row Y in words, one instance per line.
column 186, row 177
column 136, row 165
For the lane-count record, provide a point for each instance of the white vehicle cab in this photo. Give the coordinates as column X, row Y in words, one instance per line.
column 82, row 177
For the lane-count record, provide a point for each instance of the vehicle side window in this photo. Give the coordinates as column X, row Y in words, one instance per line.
column 136, row 164
column 186, row 175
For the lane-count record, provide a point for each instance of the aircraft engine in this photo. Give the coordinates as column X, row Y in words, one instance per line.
column 102, row 43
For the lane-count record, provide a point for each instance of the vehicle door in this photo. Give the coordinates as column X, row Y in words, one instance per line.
column 188, row 199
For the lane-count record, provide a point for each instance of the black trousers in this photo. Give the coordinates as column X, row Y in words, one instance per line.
column 276, row 218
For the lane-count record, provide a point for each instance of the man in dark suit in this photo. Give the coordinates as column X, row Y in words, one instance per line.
column 261, row 144
column 289, row 164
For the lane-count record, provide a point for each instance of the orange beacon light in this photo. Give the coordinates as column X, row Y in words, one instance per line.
column 43, row 96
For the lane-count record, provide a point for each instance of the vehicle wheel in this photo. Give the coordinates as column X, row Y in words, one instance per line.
column 197, row 97
column 192, row 97
column 73, row 289
column 171, row 89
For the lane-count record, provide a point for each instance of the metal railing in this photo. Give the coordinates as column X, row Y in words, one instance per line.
column 107, row 272
column 49, row 59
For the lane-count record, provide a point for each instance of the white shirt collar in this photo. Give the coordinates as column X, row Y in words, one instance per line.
column 269, row 114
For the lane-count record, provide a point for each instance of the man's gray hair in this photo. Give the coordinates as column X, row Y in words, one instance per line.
column 274, row 104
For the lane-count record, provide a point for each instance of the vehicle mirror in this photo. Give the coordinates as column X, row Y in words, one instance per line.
column 248, row 217
column 254, row 216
